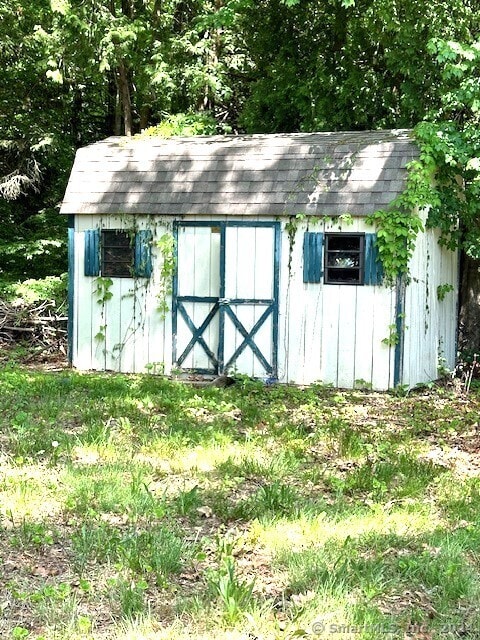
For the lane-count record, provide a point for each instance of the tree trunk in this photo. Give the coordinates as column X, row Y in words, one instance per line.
column 125, row 98
column 127, row 8
column 144, row 117
column 469, row 312
column 75, row 118
column 113, row 120
column 212, row 57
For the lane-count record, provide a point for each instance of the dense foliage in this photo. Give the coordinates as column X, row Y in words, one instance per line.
column 74, row 71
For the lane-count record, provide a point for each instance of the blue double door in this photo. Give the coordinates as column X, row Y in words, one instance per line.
column 225, row 297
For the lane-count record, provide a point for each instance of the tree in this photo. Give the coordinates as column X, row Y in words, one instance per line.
column 450, row 140
column 34, row 153
column 345, row 65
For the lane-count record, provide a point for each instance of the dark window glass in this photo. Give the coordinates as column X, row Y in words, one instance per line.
column 344, row 258
column 117, row 254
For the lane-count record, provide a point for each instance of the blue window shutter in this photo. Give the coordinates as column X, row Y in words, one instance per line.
column 312, row 256
column 143, row 253
column 373, row 264
column 92, row 252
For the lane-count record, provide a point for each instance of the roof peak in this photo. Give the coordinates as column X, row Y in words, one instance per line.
column 373, row 135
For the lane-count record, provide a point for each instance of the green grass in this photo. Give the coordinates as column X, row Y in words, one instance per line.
column 135, row 507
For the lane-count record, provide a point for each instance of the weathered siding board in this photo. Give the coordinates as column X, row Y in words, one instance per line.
column 157, row 346
column 126, row 336
column 365, row 339
column 155, row 328
column 448, row 308
column 136, row 348
column 429, row 336
column 89, row 320
column 291, row 311
column 346, row 336
column 306, row 336
column 313, row 327
column 116, row 337
column 383, row 315
column 330, row 334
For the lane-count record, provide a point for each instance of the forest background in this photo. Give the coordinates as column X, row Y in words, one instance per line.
column 75, row 71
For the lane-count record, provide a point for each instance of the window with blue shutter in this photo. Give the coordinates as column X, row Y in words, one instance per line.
column 116, row 253
column 373, row 264
column 348, row 258
column 312, row 256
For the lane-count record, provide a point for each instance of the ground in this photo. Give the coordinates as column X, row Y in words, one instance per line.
column 140, row 507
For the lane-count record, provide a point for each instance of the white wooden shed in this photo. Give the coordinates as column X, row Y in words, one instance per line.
column 269, row 276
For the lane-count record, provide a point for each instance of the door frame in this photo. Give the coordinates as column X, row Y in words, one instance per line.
column 222, row 305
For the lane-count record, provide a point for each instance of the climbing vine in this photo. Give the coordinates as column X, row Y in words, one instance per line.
column 393, row 337
column 102, row 289
column 445, row 179
column 166, row 245
column 399, row 224
column 111, row 343
column 443, row 289
column 103, row 294
column 291, row 228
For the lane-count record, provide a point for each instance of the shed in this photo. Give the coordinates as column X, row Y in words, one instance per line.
column 252, row 254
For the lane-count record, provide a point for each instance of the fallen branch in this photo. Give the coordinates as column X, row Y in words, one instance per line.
column 40, row 326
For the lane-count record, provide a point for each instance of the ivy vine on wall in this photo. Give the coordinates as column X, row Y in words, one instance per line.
column 399, row 224
column 444, row 181
column 166, row 246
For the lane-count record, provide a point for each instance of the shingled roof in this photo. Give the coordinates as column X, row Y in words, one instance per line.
column 312, row 173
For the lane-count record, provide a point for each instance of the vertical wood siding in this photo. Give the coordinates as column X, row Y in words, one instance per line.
column 430, row 335
column 333, row 333
column 329, row 333
column 134, row 333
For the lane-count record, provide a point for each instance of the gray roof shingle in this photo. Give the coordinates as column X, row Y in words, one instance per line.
column 315, row 173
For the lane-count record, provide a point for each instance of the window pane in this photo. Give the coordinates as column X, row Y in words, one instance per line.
column 344, row 275
column 344, row 258
column 116, row 238
column 345, row 242
column 117, row 270
column 117, row 254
